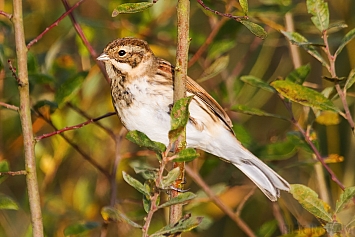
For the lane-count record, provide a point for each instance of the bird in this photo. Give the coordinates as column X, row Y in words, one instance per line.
column 142, row 94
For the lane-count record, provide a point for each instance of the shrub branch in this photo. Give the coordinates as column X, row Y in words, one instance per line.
column 26, row 121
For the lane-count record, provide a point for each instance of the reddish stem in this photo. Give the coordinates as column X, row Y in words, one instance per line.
column 14, row 173
column 29, row 45
column 74, row 127
column 236, row 18
column 8, row 15
column 85, row 40
column 8, row 106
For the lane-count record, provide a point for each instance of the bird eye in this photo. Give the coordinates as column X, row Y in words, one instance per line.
column 121, row 53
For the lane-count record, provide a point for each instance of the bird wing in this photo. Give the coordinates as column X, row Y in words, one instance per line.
column 197, row 90
column 167, row 71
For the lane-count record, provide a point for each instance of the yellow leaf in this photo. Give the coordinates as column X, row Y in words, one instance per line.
column 328, row 118
column 334, row 158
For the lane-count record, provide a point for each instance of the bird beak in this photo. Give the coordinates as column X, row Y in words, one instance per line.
column 103, row 57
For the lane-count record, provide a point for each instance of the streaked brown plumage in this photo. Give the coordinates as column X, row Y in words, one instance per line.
column 142, row 92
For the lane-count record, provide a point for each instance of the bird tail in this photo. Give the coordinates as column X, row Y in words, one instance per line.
column 269, row 182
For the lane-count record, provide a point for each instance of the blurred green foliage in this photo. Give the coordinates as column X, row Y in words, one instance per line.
column 66, row 85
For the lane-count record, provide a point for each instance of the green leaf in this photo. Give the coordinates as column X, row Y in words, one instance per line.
column 80, row 228
column 268, row 229
column 179, row 117
column 69, row 88
column 4, row 167
column 146, row 203
column 113, row 214
column 257, row 82
column 186, row 155
column 217, row 66
column 186, row 223
column 254, row 28
column 347, row 38
column 254, row 111
column 336, row 26
column 310, row 201
column 181, row 198
column 131, row 8
column 170, row 178
column 345, row 197
column 146, row 171
column 51, row 104
column 299, row 75
column 303, row 95
column 40, row 78
column 333, row 228
column 7, row 202
column 143, row 140
column 281, row 150
column 300, row 40
column 351, row 79
column 134, row 183
column 220, row 47
column 319, row 10
column 244, row 5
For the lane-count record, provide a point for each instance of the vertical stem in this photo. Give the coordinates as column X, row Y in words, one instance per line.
column 183, row 12
column 294, row 49
column 26, row 122
column 332, row 72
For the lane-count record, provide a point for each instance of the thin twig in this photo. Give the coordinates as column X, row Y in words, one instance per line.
column 38, row 138
column 116, row 163
column 318, row 155
column 14, row 173
column 154, row 198
column 85, row 41
column 153, row 209
column 245, row 199
column 278, row 216
column 14, row 73
column 82, row 113
column 8, row 15
column 29, row 45
column 8, row 106
column 207, row 42
column 294, row 49
column 236, row 18
column 310, row 143
column 199, row 181
column 332, row 72
column 76, row 147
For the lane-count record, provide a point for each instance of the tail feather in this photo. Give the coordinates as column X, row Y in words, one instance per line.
column 269, row 182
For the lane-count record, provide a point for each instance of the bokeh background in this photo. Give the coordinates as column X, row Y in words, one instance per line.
column 73, row 190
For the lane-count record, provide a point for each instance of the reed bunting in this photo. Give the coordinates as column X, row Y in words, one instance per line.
column 142, row 94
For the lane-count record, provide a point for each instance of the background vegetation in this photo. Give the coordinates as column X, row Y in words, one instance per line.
column 67, row 88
